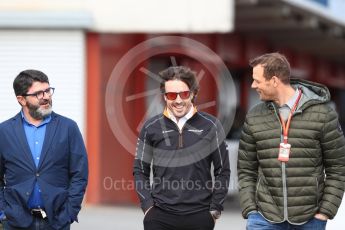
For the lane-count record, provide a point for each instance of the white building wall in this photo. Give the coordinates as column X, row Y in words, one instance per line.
column 199, row 16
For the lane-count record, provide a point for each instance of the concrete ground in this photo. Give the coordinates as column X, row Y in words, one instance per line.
column 131, row 217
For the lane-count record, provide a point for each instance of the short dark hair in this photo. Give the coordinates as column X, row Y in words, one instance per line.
column 26, row 78
column 274, row 64
column 181, row 73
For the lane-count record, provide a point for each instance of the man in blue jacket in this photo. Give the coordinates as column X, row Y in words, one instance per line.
column 43, row 161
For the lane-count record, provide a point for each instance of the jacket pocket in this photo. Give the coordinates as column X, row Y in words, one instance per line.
column 15, row 210
column 317, row 192
column 257, row 190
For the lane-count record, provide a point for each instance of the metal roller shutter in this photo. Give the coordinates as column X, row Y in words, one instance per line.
column 60, row 54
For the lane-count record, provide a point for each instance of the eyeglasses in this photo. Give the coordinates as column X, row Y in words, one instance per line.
column 40, row 94
column 173, row 95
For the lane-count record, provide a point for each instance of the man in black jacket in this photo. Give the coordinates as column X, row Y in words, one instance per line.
column 182, row 144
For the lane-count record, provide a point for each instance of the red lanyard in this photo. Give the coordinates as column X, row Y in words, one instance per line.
column 287, row 125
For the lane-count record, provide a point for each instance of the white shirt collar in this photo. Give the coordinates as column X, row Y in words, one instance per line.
column 182, row 121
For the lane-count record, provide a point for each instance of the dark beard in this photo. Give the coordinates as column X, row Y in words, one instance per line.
column 35, row 111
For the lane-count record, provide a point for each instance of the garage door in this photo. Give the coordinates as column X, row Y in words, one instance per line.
column 59, row 54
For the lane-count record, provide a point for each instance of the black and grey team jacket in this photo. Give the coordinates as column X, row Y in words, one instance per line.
column 181, row 164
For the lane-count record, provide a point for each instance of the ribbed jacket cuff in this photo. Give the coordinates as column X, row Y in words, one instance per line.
column 326, row 213
column 217, row 207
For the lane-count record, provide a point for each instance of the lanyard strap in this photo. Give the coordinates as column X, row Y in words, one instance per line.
column 287, row 125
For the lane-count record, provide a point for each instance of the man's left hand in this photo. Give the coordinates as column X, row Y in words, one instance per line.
column 321, row 217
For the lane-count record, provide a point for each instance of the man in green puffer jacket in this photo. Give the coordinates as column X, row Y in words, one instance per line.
column 291, row 160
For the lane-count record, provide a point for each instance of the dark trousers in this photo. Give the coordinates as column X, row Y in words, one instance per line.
column 158, row 219
column 37, row 224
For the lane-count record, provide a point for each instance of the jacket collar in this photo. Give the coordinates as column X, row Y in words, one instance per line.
column 313, row 93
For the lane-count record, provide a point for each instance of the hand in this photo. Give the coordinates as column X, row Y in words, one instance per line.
column 147, row 210
column 321, row 217
column 2, row 216
column 215, row 215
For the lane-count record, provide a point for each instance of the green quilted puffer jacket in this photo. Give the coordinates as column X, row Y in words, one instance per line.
column 313, row 179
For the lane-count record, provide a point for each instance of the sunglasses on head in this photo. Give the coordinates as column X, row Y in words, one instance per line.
column 173, row 95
